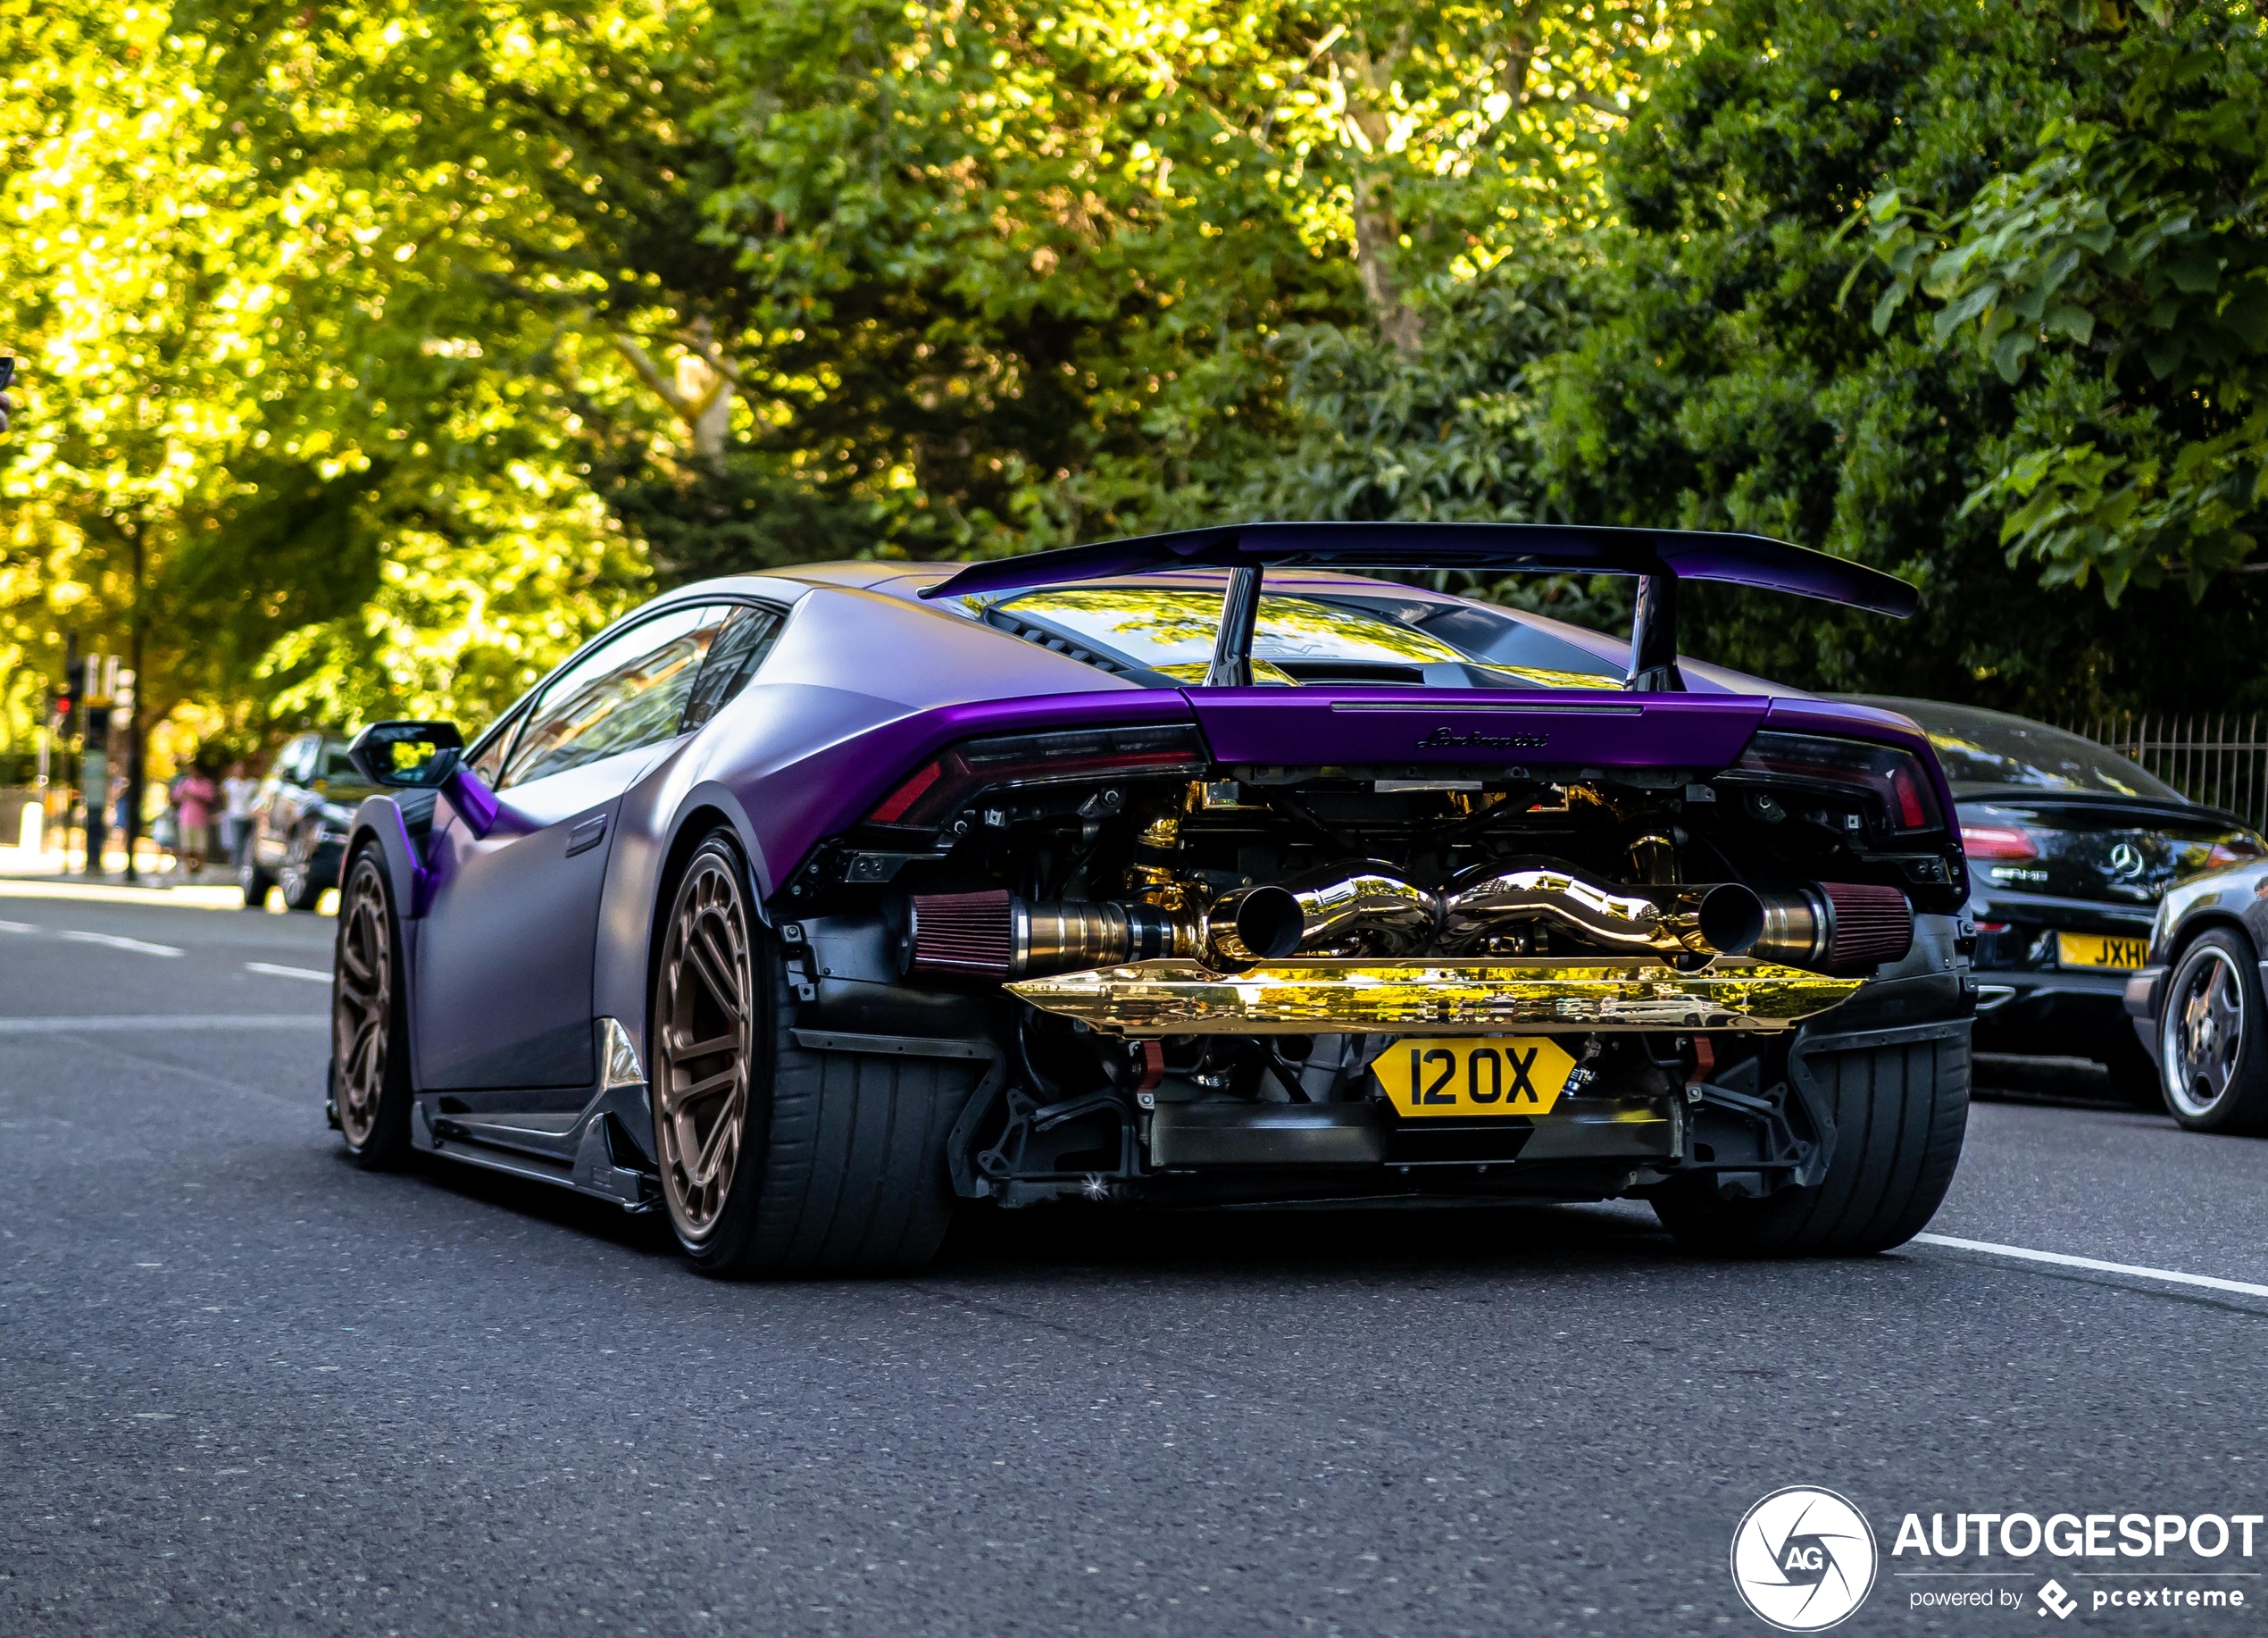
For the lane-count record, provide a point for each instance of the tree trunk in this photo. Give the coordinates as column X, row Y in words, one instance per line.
column 1378, row 231
column 1377, row 236
column 708, row 397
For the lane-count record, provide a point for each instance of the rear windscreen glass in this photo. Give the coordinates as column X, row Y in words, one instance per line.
column 1171, row 631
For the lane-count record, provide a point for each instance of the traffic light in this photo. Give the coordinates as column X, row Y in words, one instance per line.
column 71, row 695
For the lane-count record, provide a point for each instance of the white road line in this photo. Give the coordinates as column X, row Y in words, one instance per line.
column 161, row 1021
column 2024, row 1254
column 274, row 970
column 17, row 927
column 115, row 942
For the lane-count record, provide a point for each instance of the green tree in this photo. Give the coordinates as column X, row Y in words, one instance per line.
column 232, row 378
column 2119, row 280
column 1724, row 385
column 1028, row 276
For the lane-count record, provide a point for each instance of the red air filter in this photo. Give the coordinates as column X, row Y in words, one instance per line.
column 969, row 934
column 1871, row 925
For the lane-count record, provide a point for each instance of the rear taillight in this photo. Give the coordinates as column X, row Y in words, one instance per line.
column 1998, row 841
column 948, row 781
column 1896, row 780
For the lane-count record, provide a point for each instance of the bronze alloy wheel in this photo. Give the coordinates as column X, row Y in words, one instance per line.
column 361, row 1005
column 2203, row 1043
column 705, row 1045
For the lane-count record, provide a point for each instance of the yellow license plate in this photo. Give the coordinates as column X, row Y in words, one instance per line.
column 1468, row 1077
column 2100, row 949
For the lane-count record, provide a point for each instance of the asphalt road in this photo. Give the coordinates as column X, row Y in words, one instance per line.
column 245, row 1388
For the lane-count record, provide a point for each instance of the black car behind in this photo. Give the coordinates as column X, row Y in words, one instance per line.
column 2070, row 846
column 299, row 822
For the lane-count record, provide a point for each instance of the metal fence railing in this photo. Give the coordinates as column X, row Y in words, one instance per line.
column 2218, row 759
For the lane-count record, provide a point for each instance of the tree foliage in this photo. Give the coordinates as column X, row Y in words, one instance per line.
column 405, row 344
column 1730, row 376
column 2120, row 280
column 331, row 514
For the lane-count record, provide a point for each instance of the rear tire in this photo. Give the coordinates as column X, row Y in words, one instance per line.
column 835, row 1160
column 1899, row 1115
column 2213, row 1038
column 370, row 1037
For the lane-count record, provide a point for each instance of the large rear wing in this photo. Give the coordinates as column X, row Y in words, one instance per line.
column 1659, row 557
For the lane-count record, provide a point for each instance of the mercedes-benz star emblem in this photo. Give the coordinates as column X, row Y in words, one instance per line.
column 2127, row 861
column 1804, row 1558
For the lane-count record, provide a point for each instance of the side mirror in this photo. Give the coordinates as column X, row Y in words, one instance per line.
column 418, row 756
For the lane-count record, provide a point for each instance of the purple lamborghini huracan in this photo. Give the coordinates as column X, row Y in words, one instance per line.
column 1192, row 871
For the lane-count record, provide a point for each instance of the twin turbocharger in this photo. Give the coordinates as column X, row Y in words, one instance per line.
column 1366, row 910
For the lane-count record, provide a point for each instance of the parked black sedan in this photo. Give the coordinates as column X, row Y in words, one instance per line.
column 2071, row 846
column 299, row 822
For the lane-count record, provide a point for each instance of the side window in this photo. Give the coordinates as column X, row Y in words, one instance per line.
column 489, row 764
column 629, row 691
column 733, row 658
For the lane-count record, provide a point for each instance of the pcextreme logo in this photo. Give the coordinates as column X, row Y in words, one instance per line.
column 1804, row 1558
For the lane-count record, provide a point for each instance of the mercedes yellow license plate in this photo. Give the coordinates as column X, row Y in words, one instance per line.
column 1469, row 1076
column 2100, row 949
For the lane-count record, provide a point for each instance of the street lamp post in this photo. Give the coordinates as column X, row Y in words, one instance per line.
column 134, row 769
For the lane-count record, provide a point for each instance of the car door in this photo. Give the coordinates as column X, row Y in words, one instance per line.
column 503, row 997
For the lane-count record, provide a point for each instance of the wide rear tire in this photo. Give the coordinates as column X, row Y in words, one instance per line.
column 1899, row 1113
column 776, row 1162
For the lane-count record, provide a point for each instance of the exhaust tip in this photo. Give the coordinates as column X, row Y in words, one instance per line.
column 1269, row 923
column 1731, row 918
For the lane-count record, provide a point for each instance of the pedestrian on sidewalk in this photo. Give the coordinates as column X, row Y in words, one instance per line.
column 236, row 793
column 192, row 798
column 118, row 792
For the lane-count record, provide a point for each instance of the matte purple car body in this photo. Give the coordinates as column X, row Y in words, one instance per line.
column 523, row 937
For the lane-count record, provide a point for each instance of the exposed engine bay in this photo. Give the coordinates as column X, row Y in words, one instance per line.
column 1185, row 971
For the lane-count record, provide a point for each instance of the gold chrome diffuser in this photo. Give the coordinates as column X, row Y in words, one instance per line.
column 1444, row 997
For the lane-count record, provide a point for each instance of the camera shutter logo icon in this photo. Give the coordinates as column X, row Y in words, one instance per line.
column 1804, row 1558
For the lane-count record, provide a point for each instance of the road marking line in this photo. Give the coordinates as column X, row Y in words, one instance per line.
column 160, row 1021
column 274, row 970
column 17, row 927
column 116, row 943
column 2172, row 1276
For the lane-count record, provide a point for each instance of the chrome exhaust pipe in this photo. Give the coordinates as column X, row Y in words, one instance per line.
column 1362, row 905
column 996, row 935
column 1725, row 919
column 1827, row 927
